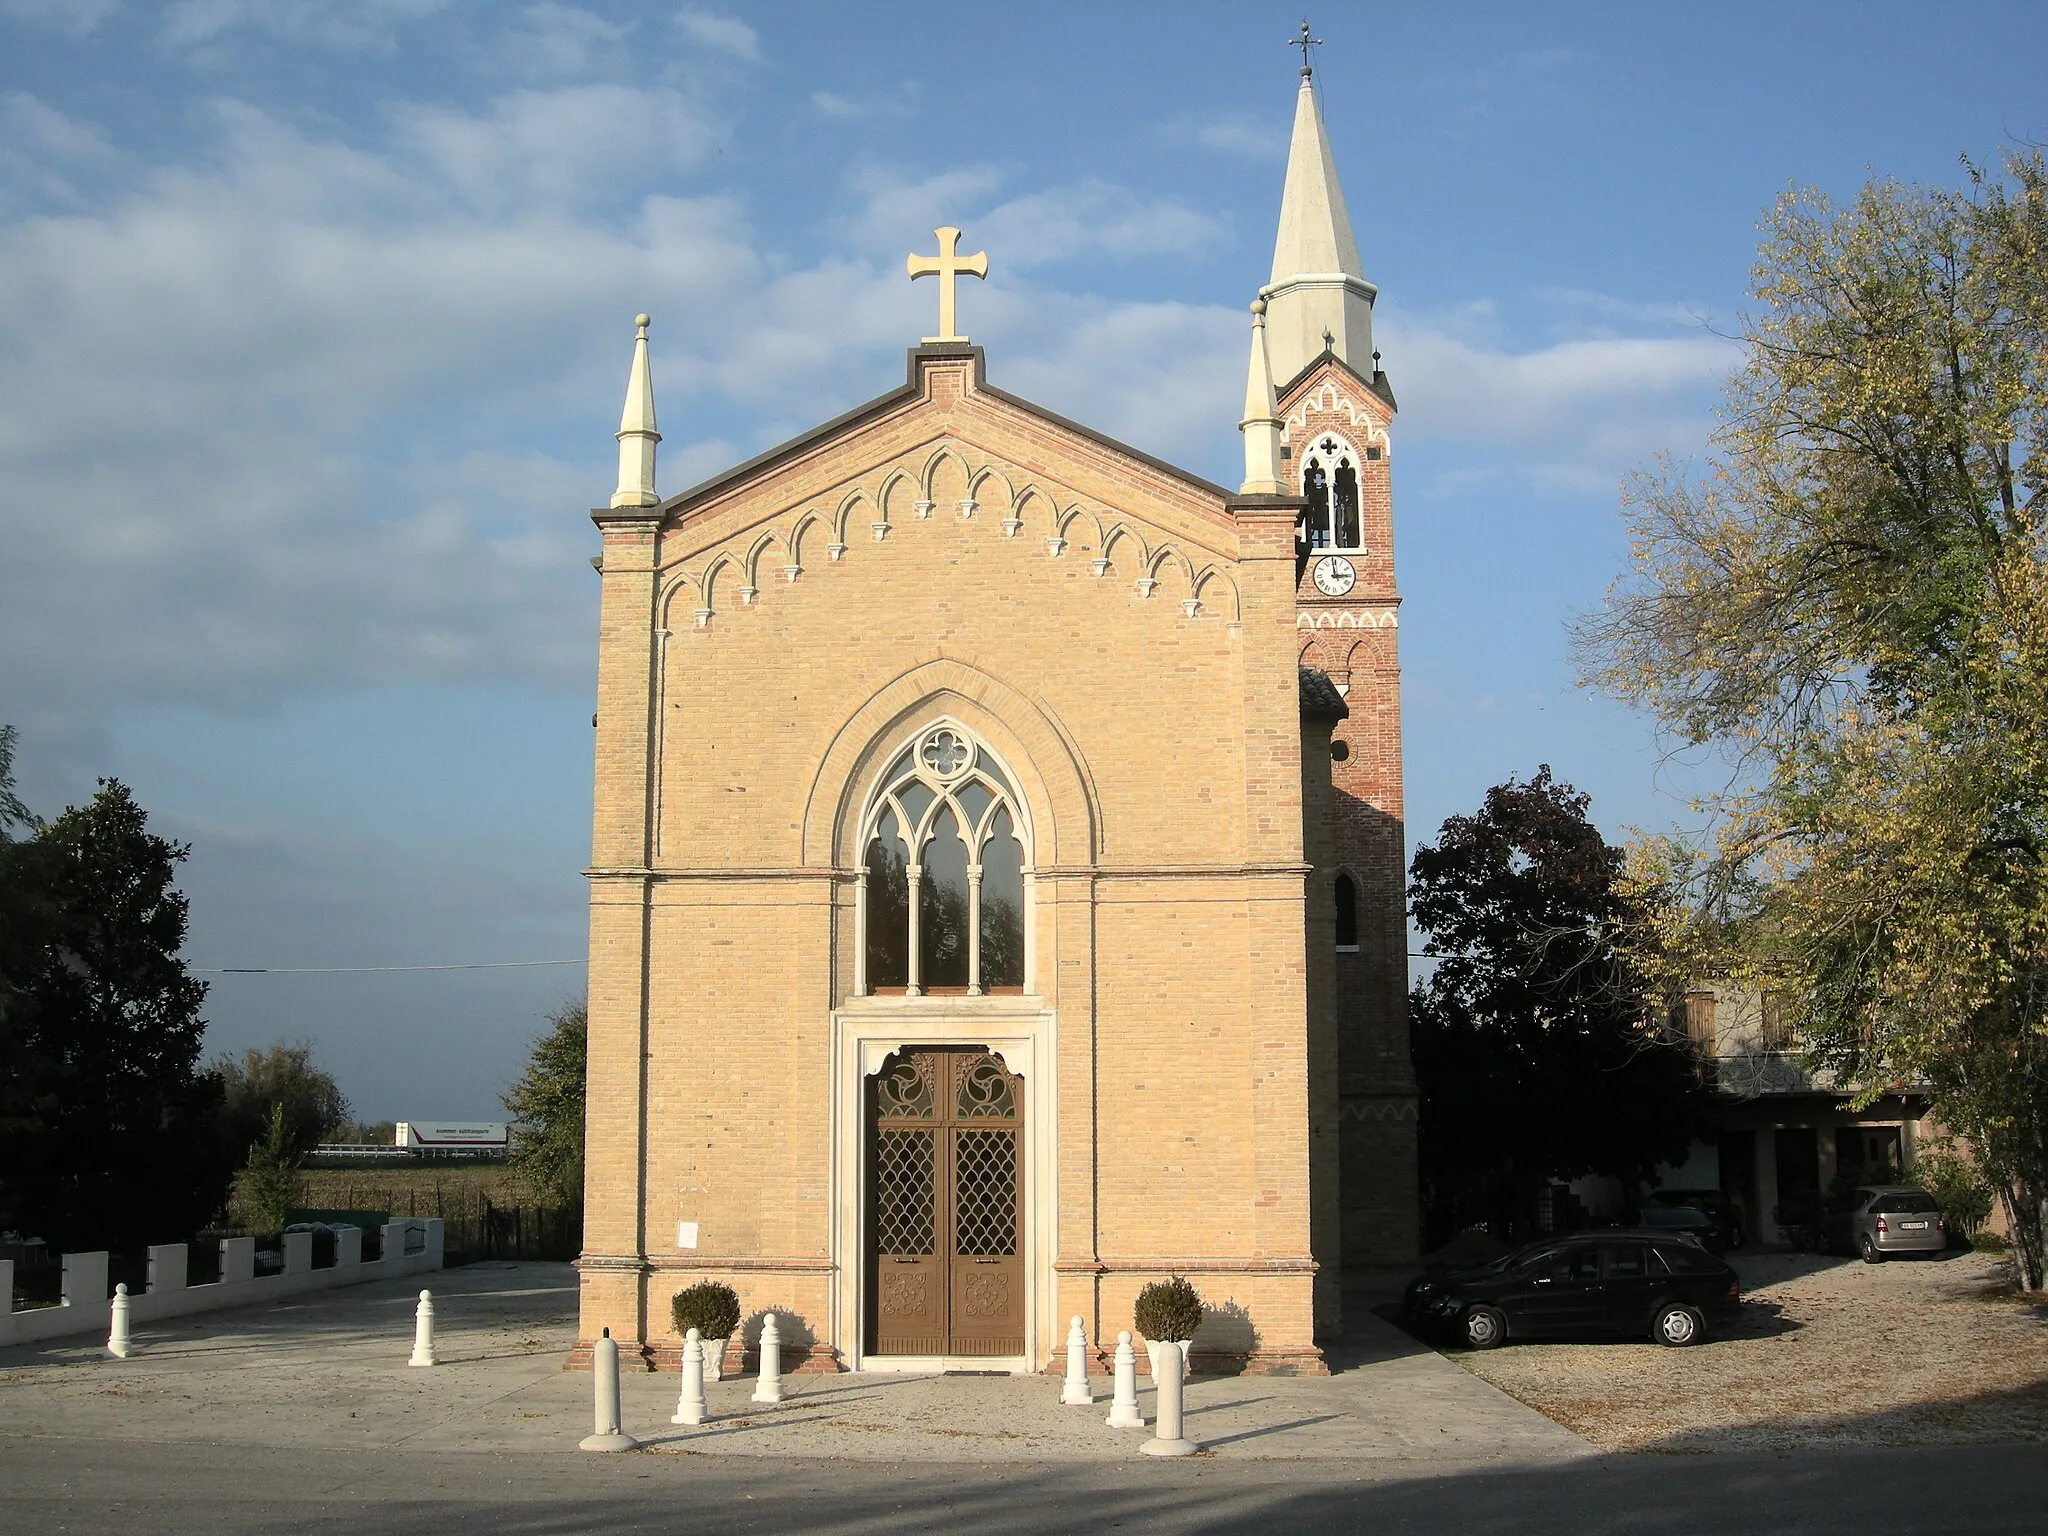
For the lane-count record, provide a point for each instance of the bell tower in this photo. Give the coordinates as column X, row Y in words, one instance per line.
column 1332, row 411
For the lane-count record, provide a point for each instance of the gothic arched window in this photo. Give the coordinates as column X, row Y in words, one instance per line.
column 1329, row 483
column 943, row 870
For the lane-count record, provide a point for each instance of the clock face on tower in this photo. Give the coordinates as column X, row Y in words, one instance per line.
column 1334, row 576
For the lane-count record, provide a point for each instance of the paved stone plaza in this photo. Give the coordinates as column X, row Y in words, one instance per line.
column 304, row 1416
column 330, row 1371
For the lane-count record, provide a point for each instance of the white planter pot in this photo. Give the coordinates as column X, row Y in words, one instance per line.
column 714, row 1359
column 1154, row 1347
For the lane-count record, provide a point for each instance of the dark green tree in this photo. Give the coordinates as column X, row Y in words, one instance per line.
column 25, row 1078
column 546, row 1105
column 111, row 1137
column 13, row 812
column 282, row 1079
column 1539, row 1052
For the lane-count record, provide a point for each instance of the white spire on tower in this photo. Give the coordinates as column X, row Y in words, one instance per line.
column 636, row 433
column 1318, row 288
column 1261, row 423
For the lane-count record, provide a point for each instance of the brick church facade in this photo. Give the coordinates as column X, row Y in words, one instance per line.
column 996, row 889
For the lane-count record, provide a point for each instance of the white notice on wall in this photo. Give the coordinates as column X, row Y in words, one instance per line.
column 686, row 1234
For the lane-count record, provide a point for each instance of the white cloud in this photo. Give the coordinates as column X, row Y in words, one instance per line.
column 1241, row 135
column 1056, row 223
column 74, row 18
column 892, row 208
column 1166, row 378
column 1586, row 408
column 564, row 147
column 282, row 405
column 342, row 23
column 723, row 34
column 1093, row 218
column 44, row 154
column 560, row 41
column 843, row 108
column 1583, row 306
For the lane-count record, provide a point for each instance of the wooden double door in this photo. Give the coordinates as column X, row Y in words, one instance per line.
column 945, row 1201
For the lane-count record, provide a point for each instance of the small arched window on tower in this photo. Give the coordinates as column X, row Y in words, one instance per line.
column 943, row 871
column 1347, row 915
column 1329, row 483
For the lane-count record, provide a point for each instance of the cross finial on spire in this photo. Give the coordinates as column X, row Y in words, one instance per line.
column 1304, row 43
column 945, row 267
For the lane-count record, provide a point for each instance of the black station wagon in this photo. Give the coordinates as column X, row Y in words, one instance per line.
column 1624, row 1284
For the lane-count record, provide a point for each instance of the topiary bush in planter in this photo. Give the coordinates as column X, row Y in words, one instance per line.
column 1169, row 1310
column 710, row 1306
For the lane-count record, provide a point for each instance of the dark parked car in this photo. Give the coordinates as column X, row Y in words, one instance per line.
column 1683, row 1221
column 1615, row 1283
column 1727, row 1220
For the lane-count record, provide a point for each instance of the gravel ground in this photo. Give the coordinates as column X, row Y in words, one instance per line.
column 1829, row 1352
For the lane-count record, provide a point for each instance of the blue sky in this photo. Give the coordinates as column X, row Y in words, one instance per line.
column 314, row 317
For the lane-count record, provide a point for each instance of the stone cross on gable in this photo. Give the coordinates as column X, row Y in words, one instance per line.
column 945, row 267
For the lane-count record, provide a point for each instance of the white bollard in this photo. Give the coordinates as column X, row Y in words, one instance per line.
column 604, row 1375
column 1076, row 1389
column 117, row 1336
column 770, row 1389
column 690, row 1403
column 423, row 1332
column 1167, row 1439
column 1123, row 1407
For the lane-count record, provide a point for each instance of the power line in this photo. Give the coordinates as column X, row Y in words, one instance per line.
column 359, row 970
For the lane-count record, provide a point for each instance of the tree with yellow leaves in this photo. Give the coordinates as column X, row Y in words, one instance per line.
column 1850, row 602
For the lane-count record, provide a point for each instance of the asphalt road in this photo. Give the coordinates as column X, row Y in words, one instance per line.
column 201, row 1489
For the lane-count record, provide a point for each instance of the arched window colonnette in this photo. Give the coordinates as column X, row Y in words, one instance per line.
column 943, row 869
column 1329, row 483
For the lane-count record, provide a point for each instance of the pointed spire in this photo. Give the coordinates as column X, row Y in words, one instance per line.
column 636, row 433
column 1318, row 286
column 1261, row 424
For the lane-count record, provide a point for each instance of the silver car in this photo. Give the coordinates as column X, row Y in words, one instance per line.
column 1895, row 1218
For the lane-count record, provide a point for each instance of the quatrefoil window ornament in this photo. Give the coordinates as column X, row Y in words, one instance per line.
column 944, row 753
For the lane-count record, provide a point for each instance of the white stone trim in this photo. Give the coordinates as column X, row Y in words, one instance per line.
column 1316, row 618
column 864, row 1034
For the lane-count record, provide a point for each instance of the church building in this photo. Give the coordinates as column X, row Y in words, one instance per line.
column 997, row 874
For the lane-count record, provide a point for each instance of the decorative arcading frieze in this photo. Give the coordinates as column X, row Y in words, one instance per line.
column 1349, row 618
column 734, row 573
column 1366, row 422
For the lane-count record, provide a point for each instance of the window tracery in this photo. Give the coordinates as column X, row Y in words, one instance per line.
column 943, row 864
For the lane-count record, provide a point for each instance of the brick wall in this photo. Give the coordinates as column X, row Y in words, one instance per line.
column 1124, row 638
column 1354, row 640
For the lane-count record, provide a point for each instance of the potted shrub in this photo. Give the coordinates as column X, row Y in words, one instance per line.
column 1167, row 1314
column 712, row 1308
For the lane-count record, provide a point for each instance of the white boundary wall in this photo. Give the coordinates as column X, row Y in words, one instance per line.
column 411, row 1247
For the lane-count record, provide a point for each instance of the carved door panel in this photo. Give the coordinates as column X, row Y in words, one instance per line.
column 945, row 1204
